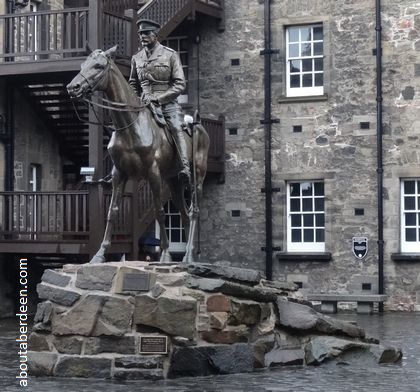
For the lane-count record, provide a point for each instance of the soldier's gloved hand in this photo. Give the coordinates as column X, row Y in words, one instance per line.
column 148, row 98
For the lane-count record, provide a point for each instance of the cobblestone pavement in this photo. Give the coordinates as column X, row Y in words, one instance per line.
column 396, row 329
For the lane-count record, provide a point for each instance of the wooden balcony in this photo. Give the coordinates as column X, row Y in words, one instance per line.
column 72, row 222
column 63, row 222
column 55, row 40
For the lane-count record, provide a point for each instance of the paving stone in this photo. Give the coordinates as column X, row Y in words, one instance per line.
column 262, row 347
column 267, row 294
column 172, row 280
column 68, row 344
column 386, row 354
column 38, row 342
column 171, row 314
column 81, row 319
column 230, row 273
column 227, row 336
column 57, row 295
column 303, row 318
column 96, row 277
column 115, row 316
column 218, row 320
column 244, row 312
column 89, row 367
column 157, row 290
column 183, row 342
column 139, row 374
column 140, row 362
column 44, row 312
column 207, row 360
column 284, row 357
column 218, row 303
column 55, row 278
column 41, row 363
column 110, row 344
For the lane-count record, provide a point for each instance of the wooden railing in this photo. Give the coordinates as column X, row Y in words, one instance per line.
column 58, row 34
column 66, row 216
column 169, row 13
column 44, row 34
column 44, row 216
column 162, row 11
column 58, row 216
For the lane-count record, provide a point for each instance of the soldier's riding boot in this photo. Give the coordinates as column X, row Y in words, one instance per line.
column 185, row 173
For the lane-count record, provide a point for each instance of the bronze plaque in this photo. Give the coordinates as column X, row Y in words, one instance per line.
column 136, row 282
column 153, row 344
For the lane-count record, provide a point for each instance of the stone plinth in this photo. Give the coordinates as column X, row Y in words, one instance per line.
column 191, row 320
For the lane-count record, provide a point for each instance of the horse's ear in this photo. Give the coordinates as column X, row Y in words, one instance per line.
column 88, row 49
column 111, row 51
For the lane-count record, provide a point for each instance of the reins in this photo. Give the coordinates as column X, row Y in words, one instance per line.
column 123, row 108
column 107, row 104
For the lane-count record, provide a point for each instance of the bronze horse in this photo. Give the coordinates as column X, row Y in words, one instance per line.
column 141, row 149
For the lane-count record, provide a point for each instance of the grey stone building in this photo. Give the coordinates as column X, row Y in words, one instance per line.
column 324, row 147
column 327, row 124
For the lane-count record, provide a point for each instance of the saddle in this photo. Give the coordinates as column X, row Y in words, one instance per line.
column 156, row 110
column 157, row 114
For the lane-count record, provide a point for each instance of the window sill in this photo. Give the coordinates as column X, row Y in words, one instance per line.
column 309, row 98
column 298, row 257
column 401, row 257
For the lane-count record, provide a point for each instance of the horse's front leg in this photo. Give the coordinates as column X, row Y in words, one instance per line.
column 156, row 186
column 193, row 213
column 118, row 185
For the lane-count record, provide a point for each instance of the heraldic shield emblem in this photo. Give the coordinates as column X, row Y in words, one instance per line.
column 360, row 247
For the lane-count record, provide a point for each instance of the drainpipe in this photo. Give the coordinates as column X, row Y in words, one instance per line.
column 378, row 29
column 268, row 121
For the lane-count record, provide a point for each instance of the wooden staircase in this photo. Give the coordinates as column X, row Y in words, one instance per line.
column 171, row 13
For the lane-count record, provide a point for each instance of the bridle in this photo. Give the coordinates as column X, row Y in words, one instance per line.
column 107, row 104
column 99, row 80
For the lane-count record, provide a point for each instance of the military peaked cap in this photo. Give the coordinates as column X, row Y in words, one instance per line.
column 147, row 25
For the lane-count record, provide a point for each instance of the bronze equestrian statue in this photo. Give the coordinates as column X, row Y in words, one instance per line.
column 157, row 77
column 141, row 149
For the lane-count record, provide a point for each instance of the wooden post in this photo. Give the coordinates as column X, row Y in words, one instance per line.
column 96, row 14
column 134, row 36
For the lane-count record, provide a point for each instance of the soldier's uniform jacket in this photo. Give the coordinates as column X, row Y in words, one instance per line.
column 162, row 69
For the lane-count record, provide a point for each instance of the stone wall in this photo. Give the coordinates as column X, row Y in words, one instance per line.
column 332, row 145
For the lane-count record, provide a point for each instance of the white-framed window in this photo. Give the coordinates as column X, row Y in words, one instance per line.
column 410, row 215
column 305, row 216
column 174, row 228
column 304, row 60
column 180, row 45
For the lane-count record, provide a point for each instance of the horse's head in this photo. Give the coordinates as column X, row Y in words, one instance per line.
column 93, row 73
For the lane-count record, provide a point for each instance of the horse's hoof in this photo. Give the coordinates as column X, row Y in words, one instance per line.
column 97, row 260
column 165, row 257
column 188, row 259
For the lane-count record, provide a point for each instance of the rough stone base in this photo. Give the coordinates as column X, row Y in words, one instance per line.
column 135, row 320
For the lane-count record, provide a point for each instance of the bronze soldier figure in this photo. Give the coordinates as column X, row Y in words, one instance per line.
column 158, row 79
